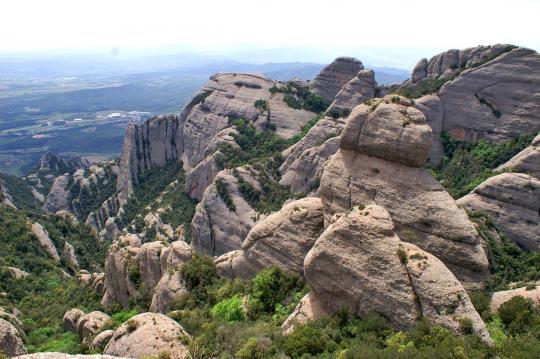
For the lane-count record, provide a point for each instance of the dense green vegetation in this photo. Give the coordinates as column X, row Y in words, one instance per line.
column 87, row 199
column 166, row 183
column 467, row 164
column 425, row 87
column 20, row 192
column 45, row 295
column 299, row 97
column 242, row 319
column 509, row 263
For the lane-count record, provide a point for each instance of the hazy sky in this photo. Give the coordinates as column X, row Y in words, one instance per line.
column 214, row 26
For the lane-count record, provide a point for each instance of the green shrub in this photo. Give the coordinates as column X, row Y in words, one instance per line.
column 403, row 258
column 516, row 314
column 307, row 339
column 270, row 287
column 255, row 348
column 223, row 192
column 467, row 164
column 229, row 310
column 198, row 274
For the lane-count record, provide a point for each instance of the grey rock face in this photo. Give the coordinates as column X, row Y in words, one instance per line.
column 379, row 162
column 359, row 263
column 55, row 355
column 420, row 71
column 334, row 76
column 512, row 200
column 282, row 239
column 304, row 174
column 216, row 229
column 57, row 199
column 359, row 89
column 498, row 100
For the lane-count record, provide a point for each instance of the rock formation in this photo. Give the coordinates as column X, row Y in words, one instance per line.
column 382, row 150
column 512, row 201
column 216, row 228
column 334, row 76
column 153, row 265
column 11, row 343
column 305, row 160
column 46, row 243
column 282, row 239
column 91, row 324
column 359, row 89
column 102, row 339
column 57, row 199
column 71, row 318
column 360, row 264
column 492, row 92
column 149, row 334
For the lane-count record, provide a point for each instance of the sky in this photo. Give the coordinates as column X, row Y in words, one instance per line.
column 390, row 27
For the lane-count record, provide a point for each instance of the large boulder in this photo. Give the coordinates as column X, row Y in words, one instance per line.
column 282, row 240
column 71, row 318
column 361, row 265
column 11, row 343
column 149, row 334
column 334, row 76
column 91, row 324
column 383, row 148
column 512, row 201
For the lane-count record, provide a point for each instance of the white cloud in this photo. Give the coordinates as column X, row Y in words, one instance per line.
column 207, row 25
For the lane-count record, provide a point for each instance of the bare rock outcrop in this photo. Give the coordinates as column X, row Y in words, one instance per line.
column 17, row 273
column 492, row 92
column 282, row 239
column 149, row 334
column 71, row 318
column 382, row 151
column 218, row 228
column 334, row 76
column 359, row 263
column 152, row 265
column 119, row 288
column 308, row 309
column 11, row 343
column 46, row 243
column 69, row 254
column 57, row 198
column 512, row 201
column 89, row 325
column 102, row 339
column 170, row 285
column 359, row 89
